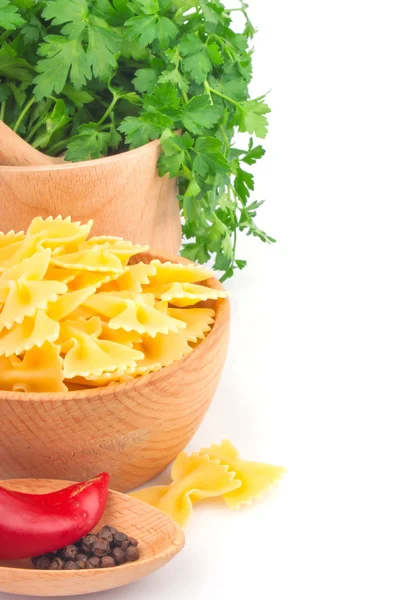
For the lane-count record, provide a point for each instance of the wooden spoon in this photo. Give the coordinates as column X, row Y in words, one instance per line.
column 15, row 152
column 160, row 539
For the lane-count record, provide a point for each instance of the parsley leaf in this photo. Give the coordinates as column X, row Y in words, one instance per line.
column 10, row 18
column 89, row 143
column 64, row 57
column 199, row 114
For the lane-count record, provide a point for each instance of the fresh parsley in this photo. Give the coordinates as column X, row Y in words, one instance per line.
column 91, row 78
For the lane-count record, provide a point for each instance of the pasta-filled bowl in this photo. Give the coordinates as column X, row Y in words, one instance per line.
column 130, row 423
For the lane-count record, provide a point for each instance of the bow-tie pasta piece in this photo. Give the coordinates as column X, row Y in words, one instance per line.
column 132, row 313
column 255, row 477
column 33, row 331
column 178, row 273
column 67, row 303
column 161, row 351
column 58, row 234
column 198, row 321
column 92, row 326
column 194, row 478
column 33, row 268
column 40, row 370
column 133, row 279
column 94, row 259
column 121, row 248
column 185, row 294
column 26, row 297
column 91, row 356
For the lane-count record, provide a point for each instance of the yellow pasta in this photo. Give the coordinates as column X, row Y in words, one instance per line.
column 33, row 268
column 175, row 272
column 93, row 259
column 9, row 244
column 119, row 247
column 132, row 280
column 26, row 297
column 194, row 478
column 33, row 331
column 91, row 279
column 68, row 302
column 184, row 294
column 255, row 477
column 91, row 356
column 132, row 313
column 212, row 472
column 160, row 351
column 198, row 321
column 73, row 303
column 40, row 370
column 58, row 233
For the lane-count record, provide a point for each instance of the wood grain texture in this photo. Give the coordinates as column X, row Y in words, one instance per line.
column 123, row 194
column 15, row 152
column 159, row 537
column 133, row 430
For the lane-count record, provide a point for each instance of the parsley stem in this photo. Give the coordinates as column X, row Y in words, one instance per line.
column 109, row 110
column 55, row 148
column 216, row 93
column 38, row 125
column 22, row 114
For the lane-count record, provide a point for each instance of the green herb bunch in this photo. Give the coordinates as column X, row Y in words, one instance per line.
column 95, row 77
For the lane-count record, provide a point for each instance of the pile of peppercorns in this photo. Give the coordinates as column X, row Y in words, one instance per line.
column 107, row 548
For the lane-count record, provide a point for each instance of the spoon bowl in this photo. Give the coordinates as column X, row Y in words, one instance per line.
column 159, row 537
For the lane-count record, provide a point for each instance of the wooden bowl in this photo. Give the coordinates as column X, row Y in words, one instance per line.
column 160, row 539
column 132, row 430
column 122, row 193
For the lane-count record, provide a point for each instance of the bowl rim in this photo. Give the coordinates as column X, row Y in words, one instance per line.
column 85, row 164
column 178, row 542
column 222, row 311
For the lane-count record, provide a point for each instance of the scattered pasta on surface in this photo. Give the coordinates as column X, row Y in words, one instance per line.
column 74, row 313
column 212, row 472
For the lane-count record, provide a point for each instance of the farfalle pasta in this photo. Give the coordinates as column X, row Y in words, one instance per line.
column 74, row 312
column 214, row 471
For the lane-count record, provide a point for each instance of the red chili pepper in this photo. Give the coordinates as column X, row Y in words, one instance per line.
column 34, row 524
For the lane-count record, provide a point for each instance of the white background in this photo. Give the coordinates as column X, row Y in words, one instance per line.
column 312, row 377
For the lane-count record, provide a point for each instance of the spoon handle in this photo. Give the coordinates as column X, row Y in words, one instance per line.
column 15, row 152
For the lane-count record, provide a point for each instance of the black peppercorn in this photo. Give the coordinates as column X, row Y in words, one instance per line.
column 111, row 529
column 87, row 542
column 71, row 566
column 57, row 564
column 93, row 563
column 107, row 562
column 132, row 553
column 118, row 555
column 81, row 561
column 105, row 534
column 119, row 538
column 133, row 541
column 100, row 548
column 41, row 562
column 69, row 552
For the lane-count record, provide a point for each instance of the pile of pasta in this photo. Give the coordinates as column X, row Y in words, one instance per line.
column 73, row 312
column 217, row 471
